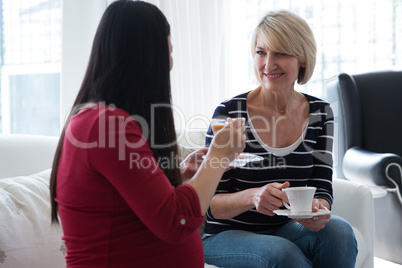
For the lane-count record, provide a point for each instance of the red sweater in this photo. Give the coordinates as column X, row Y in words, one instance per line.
column 117, row 207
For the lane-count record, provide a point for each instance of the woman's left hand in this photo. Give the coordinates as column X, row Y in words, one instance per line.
column 316, row 223
column 190, row 165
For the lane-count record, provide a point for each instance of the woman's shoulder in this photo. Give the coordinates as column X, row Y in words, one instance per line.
column 314, row 99
column 236, row 100
column 233, row 107
column 319, row 107
column 98, row 111
column 105, row 116
column 316, row 102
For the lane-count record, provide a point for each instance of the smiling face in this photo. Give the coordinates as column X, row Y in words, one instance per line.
column 275, row 70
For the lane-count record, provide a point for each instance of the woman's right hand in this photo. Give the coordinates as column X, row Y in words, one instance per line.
column 228, row 142
column 268, row 198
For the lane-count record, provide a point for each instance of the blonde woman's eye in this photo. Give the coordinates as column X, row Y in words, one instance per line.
column 281, row 54
column 261, row 53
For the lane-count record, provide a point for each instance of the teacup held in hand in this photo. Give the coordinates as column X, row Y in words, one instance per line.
column 300, row 199
column 218, row 123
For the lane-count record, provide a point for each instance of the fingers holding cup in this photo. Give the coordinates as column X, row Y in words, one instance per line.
column 229, row 137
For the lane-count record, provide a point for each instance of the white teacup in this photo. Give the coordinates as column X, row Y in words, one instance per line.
column 300, row 199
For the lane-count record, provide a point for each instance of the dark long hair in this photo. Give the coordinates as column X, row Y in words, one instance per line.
column 129, row 68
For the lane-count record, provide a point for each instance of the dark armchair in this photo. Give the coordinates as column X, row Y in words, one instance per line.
column 368, row 147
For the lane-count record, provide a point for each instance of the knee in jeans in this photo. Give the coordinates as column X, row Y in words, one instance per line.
column 340, row 230
column 284, row 253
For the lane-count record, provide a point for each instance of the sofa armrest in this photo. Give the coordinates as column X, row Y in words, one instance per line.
column 354, row 202
column 23, row 155
column 374, row 169
column 370, row 168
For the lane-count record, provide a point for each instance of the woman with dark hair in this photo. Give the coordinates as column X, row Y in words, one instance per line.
column 115, row 183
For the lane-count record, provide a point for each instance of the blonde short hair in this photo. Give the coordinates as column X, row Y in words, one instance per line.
column 285, row 32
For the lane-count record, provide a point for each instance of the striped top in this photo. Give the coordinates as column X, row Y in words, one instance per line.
column 309, row 162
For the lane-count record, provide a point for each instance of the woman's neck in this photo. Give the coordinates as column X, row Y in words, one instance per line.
column 281, row 102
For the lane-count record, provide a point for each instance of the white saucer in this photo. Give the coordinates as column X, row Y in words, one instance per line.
column 301, row 215
column 245, row 158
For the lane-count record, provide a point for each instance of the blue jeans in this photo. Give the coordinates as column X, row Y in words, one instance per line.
column 288, row 246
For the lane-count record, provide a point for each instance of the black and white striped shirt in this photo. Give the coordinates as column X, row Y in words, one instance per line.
column 310, row 163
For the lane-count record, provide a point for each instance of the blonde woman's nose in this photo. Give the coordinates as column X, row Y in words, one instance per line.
column 270, row 62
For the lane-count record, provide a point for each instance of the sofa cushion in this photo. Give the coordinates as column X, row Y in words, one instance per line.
column 27, row 238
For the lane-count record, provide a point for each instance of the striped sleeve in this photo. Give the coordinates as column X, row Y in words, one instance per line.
column 321, row 176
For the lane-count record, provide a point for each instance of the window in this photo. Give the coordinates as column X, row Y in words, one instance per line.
column 352, row 36
column 30, row 66
column 212, row 51
column 212, row 40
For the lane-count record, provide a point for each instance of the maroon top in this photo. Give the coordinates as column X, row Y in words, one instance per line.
column 117, row 207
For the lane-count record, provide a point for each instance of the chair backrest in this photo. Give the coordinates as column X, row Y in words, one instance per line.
column 380, row 97
column 368, row 110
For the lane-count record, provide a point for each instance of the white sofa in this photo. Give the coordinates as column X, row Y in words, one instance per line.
column 27, row 239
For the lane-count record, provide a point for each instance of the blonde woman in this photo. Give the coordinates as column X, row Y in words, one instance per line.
column 293, row 132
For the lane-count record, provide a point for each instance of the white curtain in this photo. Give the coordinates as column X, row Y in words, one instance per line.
column 80, row 20
column 208, row 68
column 211, row 45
